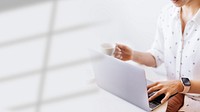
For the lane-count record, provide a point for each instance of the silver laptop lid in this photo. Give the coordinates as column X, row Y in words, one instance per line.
column 121, row 79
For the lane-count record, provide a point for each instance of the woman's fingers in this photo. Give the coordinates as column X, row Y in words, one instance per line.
column 167, row 95
column 117, row 49
column 122, row 47
column 120, row 51
column 118, row 54
column 123, row 52
column 154, row 88
column 158, row 93
column 166, row 87
column 152, row 85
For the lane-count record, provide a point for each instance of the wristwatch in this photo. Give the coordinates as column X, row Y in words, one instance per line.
column 186, row 84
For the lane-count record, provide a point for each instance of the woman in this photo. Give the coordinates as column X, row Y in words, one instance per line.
column 177, row 44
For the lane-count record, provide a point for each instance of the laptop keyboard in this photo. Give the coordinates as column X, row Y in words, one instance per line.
column 153, row 105
column 157, row 101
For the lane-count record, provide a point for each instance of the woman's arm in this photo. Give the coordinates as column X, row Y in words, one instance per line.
column 144, row 58
column 195, row 86
column 125, row 53
column 172, row 87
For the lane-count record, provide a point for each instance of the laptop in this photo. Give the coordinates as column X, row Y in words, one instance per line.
column 123, row 80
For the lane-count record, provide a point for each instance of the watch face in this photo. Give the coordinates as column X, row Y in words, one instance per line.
column 186, row 81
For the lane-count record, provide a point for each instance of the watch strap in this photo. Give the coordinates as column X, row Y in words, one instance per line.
column 185, row 88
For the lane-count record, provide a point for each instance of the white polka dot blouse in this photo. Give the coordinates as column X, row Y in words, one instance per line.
column 180, row 52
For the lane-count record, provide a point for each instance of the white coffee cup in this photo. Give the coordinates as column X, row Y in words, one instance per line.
column 108, row 48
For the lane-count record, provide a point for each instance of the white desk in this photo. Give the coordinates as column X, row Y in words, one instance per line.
column 98, row 100
column 86, row 98
column 102, row 101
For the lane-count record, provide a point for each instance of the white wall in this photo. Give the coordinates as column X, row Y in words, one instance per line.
column 133, row 21
column 76, row 26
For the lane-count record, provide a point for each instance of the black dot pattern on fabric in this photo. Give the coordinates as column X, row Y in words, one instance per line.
column 180, row 60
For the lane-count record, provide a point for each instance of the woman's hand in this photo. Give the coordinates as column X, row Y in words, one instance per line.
column 168, row 88
column 123, row 52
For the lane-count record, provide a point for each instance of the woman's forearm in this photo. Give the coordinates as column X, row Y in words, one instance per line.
column 195, row 86
column 144, row 58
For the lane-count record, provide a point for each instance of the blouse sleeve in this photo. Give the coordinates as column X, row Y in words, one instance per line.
column 157, row 49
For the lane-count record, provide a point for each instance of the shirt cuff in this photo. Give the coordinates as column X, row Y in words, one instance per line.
column 158, row 56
